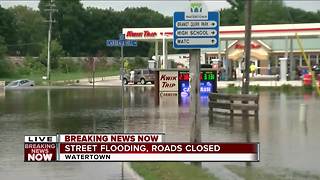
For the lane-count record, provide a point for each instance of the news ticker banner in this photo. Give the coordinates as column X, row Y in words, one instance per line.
column 131, row 147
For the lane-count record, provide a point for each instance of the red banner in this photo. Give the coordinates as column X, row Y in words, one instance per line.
column 158, row 148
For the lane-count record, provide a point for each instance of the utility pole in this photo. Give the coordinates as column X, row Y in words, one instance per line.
column 195, row 136
column 245, row 78
column 50, row 21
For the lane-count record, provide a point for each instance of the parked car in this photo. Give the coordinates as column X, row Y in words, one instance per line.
column 140, row 75
column 126, row 78
column 20, row 83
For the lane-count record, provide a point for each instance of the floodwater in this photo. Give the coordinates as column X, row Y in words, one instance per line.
column 285, row 141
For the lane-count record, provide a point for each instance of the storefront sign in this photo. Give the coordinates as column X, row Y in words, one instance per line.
column 146, row 34
column 253, row 46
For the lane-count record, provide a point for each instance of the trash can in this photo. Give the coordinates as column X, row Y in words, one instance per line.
column 307, row 80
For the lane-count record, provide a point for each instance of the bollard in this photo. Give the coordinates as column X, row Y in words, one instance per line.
column 303, row 113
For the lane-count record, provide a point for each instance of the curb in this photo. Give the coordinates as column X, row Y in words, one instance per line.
column 130, row 173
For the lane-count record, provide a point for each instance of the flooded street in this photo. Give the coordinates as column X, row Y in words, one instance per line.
column 285, row 141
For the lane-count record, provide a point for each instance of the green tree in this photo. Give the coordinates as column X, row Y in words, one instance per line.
column 230, row 17
column 269, row 12
column 139, row 62
column 237, row 5
column 30, row 28
column 32, row 66
column 56, row 52
column 5, row 67
column 3, row 47
column 69, row 27
column 8, row 28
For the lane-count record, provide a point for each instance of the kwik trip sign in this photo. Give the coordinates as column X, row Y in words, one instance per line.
column 168, row 81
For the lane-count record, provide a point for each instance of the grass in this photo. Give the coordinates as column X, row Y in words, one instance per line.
column 59, row 76
column 252, row 173
column 170, row 170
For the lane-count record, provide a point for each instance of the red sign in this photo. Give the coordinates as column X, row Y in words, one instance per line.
column 147, row 34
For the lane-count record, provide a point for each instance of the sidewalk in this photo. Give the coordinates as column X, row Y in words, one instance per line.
column 224, row 84
column 101, row 81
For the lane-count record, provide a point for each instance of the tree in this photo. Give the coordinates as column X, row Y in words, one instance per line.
column 31, row 66
column 3, row 47
column 8, row 28
column 69, row 26
column 4, row 64
column 237, row 5
column 230, row 17
column 56, row 52
column 269, row 12
column 30, row 28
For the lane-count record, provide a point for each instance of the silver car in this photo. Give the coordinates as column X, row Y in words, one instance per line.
column 20, row 83
column 143, row 76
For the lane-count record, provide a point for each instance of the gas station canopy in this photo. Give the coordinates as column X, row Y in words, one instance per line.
column 311, row 30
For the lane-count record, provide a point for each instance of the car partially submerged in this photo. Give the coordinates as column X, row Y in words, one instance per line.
column 20, row 83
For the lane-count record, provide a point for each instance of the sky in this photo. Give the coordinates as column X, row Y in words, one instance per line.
column 166, row 7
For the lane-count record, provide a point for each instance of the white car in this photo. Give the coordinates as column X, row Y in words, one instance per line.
column 20, row 83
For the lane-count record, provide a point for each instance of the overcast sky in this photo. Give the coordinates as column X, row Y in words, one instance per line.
column 166, row 7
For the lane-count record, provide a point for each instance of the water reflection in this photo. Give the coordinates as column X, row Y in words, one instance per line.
column 285, row 141
column 51, row 111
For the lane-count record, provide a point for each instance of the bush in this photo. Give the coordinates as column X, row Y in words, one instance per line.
column 254, row 88
column 286, row 87
column 6, row 68
column 55, row 54
column 31, row 66
column 68, row 65
column 135, row 63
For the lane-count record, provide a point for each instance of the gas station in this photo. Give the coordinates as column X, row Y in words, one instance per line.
column 271, row 46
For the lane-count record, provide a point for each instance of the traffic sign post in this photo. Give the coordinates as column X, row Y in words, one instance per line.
column 194, row 29
column 195, row 33
column 121, row 42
